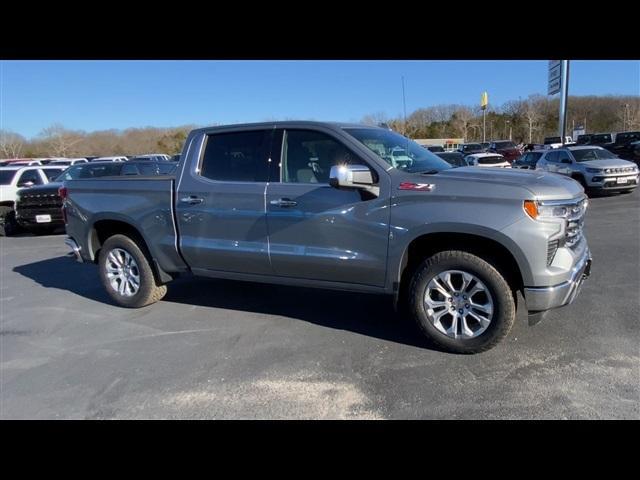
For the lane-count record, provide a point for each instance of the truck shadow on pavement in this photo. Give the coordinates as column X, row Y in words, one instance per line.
column 365, row 314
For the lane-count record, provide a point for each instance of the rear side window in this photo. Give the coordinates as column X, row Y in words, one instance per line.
column 129, row 169
column 237, row 156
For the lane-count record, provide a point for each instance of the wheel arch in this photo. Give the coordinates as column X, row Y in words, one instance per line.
column 105, row 228
column 495, row 248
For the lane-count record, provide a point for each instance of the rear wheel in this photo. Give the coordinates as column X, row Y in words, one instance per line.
column 461, row 302
column 126, row 274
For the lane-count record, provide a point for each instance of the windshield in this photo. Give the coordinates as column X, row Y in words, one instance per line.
column 398, row 151
column 505, row 145
column 490, row 160
column 87, row 170
column 6, row 176
column 602, row 138
column 592, row 154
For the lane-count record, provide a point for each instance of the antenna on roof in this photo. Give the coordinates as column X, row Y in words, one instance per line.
column 404, row 106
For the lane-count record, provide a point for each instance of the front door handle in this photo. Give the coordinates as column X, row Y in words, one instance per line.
column 191, row 200
column 283, row 202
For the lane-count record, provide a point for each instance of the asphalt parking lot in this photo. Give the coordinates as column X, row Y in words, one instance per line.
column 220, row 349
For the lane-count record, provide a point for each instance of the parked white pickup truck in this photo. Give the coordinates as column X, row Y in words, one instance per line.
column 14, row 178
column 556, row 142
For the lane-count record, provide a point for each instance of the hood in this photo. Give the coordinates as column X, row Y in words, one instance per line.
column 40, row 189
column 608, row 163
column 538, row 184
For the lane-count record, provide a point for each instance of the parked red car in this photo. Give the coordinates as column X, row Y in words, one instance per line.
column 506, row 148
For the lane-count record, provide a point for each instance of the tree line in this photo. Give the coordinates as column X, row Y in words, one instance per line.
column 528, row 120
column 58, row 141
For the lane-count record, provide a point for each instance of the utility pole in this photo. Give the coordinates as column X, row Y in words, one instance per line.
column 563, row 100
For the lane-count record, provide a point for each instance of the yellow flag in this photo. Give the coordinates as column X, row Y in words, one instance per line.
column 484, row 100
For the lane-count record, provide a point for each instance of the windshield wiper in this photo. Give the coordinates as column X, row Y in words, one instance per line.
column 429, row 172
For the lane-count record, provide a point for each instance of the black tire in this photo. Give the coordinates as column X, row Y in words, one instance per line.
column 149, row 290
column 504, row 306
column 8, row 224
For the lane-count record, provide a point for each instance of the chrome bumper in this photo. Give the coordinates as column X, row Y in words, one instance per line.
column 545, row 298
column 75, row 249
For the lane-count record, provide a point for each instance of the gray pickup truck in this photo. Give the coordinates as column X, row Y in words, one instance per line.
column 322, row 205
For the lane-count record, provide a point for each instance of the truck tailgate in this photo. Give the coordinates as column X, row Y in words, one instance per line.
column 145, row 203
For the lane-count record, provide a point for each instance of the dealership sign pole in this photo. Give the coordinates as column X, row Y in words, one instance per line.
column 484, row 101
column 559, row 82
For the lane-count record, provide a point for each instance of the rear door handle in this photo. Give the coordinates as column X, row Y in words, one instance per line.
column 191, row 200
column 283, row 203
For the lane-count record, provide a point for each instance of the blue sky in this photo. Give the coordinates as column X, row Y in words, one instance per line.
column 98, row 95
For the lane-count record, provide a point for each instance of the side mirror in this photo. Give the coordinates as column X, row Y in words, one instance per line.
column 350, row 176
column 565, row 160
column 25, row 184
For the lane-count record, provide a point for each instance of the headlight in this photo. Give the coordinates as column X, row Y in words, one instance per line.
column 537, row 211
column 594, row 170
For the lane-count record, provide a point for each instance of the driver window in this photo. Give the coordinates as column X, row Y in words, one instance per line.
column 563, row 155
column 307, row 156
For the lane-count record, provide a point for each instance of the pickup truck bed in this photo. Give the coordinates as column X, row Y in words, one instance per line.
column 147, row 201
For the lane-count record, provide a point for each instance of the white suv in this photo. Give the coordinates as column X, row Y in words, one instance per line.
column 14, row 178
column 487, row 160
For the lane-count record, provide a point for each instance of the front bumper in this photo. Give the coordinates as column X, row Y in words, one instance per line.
column 540, row 299
column 607, row 182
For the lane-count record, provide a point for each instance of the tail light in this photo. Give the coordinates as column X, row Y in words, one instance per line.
column 63, row 193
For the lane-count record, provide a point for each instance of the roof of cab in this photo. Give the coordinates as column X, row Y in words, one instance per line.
column 284, row 123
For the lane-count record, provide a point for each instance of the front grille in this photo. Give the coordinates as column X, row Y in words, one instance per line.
column 40, row 200
column 620, row 170
column 575, row 223
column 552, row 248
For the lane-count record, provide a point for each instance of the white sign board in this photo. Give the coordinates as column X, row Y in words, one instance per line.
column 555, row 77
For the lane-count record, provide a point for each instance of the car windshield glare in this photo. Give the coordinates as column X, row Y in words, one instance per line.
column 398, row 151
column 588, row 154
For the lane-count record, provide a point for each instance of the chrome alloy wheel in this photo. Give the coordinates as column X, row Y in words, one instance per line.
column 458, row 304
column 122, row 272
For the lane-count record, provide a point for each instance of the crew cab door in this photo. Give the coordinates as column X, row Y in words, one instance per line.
column 316, row 231
column 220, row 202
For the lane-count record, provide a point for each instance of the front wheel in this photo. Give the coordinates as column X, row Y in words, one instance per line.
column 461, row 302
column 126, row 273
column 8, row 224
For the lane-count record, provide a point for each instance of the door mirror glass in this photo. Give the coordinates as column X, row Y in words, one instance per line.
column 565, row 160
column 350, row 176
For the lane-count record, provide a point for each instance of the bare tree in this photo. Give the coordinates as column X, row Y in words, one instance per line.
column 375, row 118
column 60, row 141
column 11, row 144
column 461, row 121
column 532, row 112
